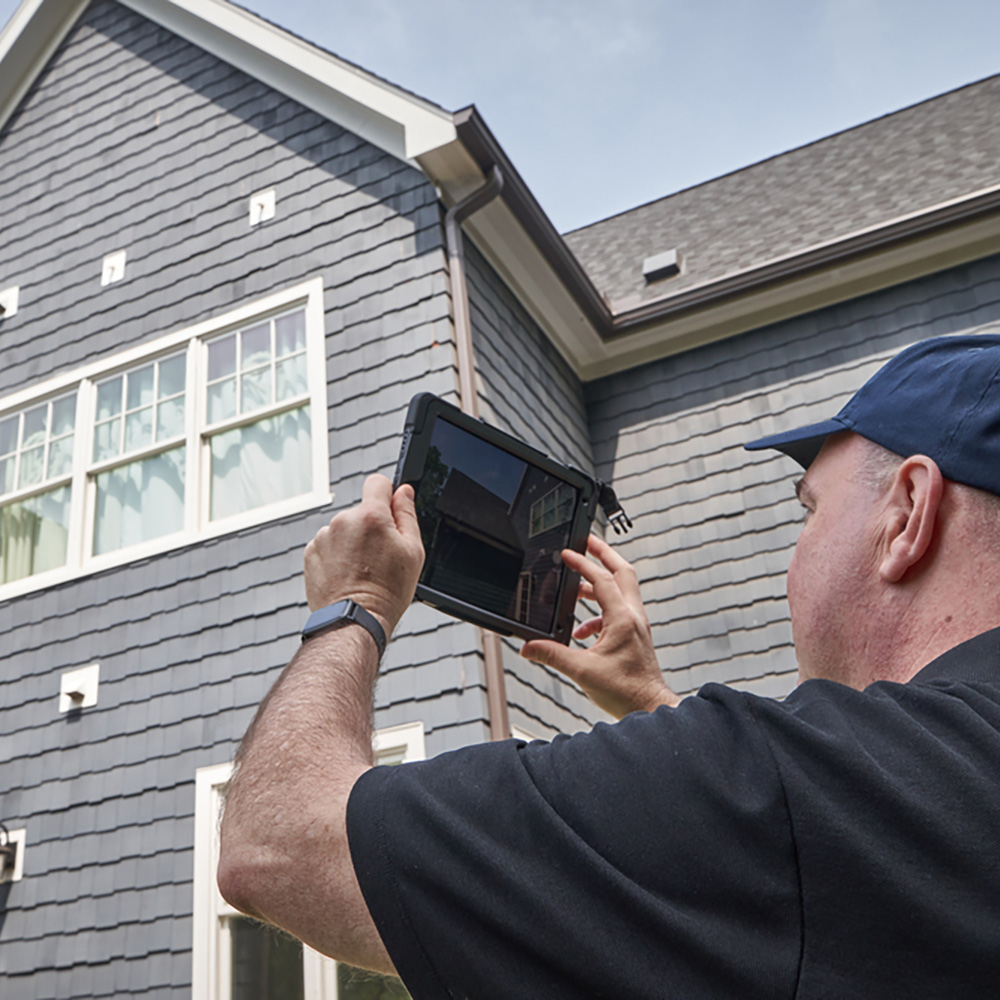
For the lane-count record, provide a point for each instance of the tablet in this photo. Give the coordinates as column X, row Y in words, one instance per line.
column 494, row 516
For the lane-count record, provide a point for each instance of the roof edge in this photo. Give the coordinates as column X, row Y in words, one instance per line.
column 483, row 147
column 921, row 224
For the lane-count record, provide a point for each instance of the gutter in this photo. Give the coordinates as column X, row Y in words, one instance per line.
column 496, row 685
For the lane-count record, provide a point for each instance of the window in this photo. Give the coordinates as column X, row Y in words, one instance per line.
column 235, row 958
column 551, row 510
column 207, row 430
column 36, row 464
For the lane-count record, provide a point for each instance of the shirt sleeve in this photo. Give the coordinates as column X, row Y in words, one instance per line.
column 649, row 858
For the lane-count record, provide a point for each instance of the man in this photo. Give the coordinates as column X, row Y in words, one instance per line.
column 839, row 844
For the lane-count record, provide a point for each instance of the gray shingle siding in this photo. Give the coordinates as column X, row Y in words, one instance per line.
column 715, row 525
column 134, row 139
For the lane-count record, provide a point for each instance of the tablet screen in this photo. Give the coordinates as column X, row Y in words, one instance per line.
column 493, row 526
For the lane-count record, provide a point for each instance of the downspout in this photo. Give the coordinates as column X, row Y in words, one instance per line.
column 496, row 688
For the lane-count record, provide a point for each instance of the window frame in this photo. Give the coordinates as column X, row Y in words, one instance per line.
column 80, row 561
column 211, row 958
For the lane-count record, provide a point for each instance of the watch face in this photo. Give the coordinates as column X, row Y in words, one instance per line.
column 326, row 616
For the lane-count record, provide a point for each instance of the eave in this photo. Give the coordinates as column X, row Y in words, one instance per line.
column 599, row 338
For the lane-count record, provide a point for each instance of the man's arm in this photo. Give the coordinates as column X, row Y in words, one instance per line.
column 284, row 851
column 619, row 672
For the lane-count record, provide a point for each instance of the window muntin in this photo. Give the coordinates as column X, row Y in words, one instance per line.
column 122, row 447
column 140, row 407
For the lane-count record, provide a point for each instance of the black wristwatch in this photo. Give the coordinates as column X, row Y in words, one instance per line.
column 344, row 611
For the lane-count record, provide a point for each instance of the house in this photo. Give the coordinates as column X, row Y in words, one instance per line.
column 229, row 258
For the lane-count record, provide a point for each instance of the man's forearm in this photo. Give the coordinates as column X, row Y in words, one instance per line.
column 284, row 852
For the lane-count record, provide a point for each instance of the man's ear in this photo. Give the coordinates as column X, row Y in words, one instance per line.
column 911, row 513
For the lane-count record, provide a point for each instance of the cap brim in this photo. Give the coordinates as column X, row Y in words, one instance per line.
column 803, row 444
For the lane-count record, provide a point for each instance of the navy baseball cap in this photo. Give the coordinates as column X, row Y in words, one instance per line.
column 939, row 398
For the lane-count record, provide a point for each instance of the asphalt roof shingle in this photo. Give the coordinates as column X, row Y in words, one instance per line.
column 867, row 176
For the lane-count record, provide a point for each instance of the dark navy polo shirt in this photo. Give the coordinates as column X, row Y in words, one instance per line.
column 838, row 844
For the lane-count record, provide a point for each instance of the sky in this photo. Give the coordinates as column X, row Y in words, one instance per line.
column 603, row 106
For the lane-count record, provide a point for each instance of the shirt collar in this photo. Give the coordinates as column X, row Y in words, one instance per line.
column 975, row 660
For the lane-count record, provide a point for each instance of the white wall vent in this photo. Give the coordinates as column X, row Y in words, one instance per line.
column 262, row 206
column 8, row 302
column 662, row 265
column 12, row 860
column 113, row 267
column 78, row 688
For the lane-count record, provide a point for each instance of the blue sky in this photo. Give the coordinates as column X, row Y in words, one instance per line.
column 603, row 106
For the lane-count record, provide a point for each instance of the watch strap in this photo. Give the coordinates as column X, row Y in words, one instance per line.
column 347, row 610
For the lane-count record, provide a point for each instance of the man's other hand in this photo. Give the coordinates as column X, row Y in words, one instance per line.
column 619, row 672
column 371, row 553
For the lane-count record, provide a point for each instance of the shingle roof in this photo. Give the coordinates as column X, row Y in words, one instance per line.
column 867, row 176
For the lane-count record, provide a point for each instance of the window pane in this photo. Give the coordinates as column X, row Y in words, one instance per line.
column 35, row 422
column 256, row 390
column 222, row 400
column 290, row 334
column 32, row 468
column 7, row 474
column 109, row 398
column 172, row 372
column 140, row 388
column 60, row 457
column 221, row 357
column 255, row 346
column 357, row 984
column 139, row 429
column 170, row 418
column 139, row 501
column 261, row 463
column 8, row 435
column 291, row 377
column 107, row 439
column 267, row 963
column 63, row 415
column 33, row 535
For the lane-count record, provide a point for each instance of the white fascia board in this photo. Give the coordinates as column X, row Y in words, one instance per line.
column 27, row 42
column 399, row 123
column 514, row 255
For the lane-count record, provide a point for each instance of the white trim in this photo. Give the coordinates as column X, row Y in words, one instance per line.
column 395, row 744
column 197, row 526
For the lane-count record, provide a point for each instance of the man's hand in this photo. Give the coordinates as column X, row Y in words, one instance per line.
column 371, row 553
column 619, row 673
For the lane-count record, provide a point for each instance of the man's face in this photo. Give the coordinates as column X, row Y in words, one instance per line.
column 834, row 570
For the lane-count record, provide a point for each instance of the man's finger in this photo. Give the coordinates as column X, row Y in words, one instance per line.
column 607, row 590
column 404, row 512
column 551, row 654
column 377, row 490
column 617, row 564
column 588, row 628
